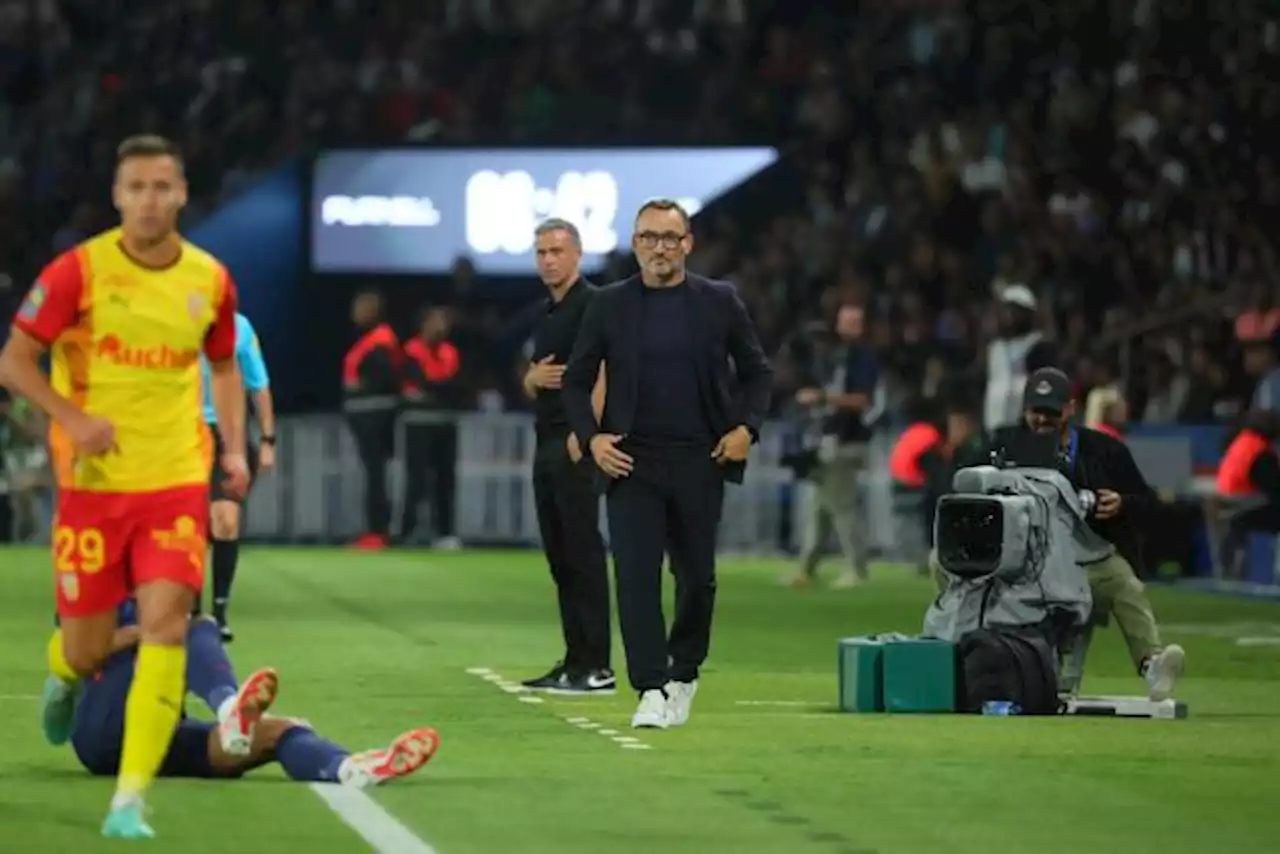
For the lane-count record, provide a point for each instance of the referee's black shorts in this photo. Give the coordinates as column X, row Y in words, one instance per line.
column 217, row 475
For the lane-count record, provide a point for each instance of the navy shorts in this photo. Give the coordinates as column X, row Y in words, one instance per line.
column 98, row 732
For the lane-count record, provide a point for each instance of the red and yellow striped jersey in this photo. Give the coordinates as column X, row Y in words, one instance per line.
column 125, row 343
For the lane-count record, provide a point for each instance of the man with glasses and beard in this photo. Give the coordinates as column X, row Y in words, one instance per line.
column 1100, row 463
column 677, row 423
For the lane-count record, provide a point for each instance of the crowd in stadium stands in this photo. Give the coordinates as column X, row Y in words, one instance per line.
column 1110, row 155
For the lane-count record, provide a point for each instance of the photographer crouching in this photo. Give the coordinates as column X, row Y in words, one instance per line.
column 1102, row 465
column 844, row 409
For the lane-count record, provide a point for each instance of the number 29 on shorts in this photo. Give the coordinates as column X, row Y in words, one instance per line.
column 79, row 550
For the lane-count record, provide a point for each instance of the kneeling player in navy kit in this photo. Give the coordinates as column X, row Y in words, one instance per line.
column 243, row 737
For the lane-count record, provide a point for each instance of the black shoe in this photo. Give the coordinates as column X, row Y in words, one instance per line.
column 600, row 681
column 223, row 629
column 556, row 677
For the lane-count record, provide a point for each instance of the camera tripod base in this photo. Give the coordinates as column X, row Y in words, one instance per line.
column 1127, row 707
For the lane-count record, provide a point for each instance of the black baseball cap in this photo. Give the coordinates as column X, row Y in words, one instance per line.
column 1047, row 390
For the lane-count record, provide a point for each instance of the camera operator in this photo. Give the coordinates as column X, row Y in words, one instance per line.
column 1103, row 467
column 848, row 404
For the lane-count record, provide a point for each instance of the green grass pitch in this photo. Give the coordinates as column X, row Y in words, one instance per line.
column 369, row 645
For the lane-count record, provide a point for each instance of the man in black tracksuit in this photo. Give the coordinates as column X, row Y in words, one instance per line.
column 1101, row 464
column 563, row 480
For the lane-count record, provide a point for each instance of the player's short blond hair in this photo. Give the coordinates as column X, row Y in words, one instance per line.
column 148, row 145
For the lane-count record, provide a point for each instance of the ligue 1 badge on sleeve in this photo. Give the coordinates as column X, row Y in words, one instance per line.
column 31, row 305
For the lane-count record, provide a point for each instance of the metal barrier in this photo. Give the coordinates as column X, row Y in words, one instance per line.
column 317, row 492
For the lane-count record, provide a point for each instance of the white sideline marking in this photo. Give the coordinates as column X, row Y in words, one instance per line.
column 1261, row 641
column 525, row 695
column 23, row 698
column 788, row 703
column 364, row 815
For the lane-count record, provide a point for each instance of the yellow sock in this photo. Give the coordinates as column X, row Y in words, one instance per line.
column 58, row 665
column 151, row 714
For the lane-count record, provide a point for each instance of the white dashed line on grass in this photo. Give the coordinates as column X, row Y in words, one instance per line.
column 524, row 695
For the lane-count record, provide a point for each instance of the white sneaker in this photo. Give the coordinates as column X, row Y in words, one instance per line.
column 1163, row 671
column 680, row 701
column 652, row 712
column 238, row 716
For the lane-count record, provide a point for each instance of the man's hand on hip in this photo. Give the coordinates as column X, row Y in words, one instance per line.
column 611, row 460
column 733, row 446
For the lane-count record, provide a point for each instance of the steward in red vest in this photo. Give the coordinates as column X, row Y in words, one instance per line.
column 371, row 397
column 1250, row 465
column 907, row 455
column 432, row 395
column 1250, row 469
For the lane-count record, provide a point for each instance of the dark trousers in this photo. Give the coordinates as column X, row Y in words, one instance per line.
column 374, row 434
column 1264, row 519
column 672, row 507
column 431, row 457
column 569, row 519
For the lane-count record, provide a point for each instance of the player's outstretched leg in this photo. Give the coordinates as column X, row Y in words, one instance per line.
column 311, row 758
column 409, row 752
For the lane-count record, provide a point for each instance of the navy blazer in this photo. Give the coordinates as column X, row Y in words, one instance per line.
column 734, row 393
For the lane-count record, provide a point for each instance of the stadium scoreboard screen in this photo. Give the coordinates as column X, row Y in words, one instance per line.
column 416, row 211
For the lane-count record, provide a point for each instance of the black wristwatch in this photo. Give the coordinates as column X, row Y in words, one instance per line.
column 267, row 440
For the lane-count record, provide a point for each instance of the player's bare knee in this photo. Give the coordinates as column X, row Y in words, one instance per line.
column 86, row 642
column 86, row 659
column 224, row 520
column 164, row 608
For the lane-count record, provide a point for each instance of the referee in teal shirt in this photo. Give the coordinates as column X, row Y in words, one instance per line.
column 224, row 511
